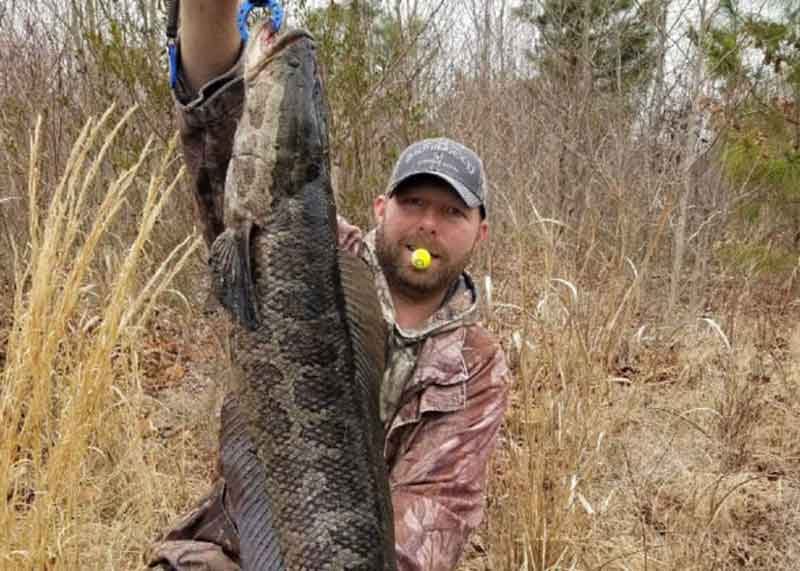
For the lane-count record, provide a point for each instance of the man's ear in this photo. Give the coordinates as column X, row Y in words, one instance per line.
column 379, row 207
column 483, row 231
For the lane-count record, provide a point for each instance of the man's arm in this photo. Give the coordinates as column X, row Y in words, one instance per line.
column 439, row 478
column 209, row 39
column 209, row 95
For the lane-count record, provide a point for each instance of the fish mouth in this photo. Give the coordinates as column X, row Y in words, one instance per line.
column 269, row 46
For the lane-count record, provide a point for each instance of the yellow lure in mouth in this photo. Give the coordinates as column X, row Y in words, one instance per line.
column 421, row 258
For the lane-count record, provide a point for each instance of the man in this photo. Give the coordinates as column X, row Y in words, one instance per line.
column 444, row 391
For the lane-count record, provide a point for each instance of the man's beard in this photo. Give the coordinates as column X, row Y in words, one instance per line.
column 417, row 284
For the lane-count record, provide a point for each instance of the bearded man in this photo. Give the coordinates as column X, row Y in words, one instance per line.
column 445, row 387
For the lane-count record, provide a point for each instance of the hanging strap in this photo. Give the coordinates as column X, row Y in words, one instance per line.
column 172, row 39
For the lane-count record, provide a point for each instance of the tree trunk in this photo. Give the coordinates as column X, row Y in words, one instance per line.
column 585, row 128
column 690, row 155
column 658, row 85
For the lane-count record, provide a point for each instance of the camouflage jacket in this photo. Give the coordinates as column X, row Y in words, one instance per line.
column 442, row 399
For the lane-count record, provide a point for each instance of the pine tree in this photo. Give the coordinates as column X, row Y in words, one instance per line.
column 606, row 42
column 756, row 59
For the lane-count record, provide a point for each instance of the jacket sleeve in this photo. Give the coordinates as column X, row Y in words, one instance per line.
column 207, row 122
column 439, row 477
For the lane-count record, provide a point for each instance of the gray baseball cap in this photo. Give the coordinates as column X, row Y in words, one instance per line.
column 457, row 165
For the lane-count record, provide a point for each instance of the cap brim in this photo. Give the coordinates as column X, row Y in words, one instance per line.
column 462, row 191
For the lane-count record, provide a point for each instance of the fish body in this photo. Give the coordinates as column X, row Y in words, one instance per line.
column 302, row 443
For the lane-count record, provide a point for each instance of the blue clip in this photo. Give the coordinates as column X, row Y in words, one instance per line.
column 172, row 53
column 275, row 11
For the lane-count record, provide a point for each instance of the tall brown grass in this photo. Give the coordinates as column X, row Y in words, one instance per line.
column 682, row 457
column 76, row 470
column 635, row 440
column 630, row 443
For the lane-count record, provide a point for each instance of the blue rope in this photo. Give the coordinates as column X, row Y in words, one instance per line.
column 275, row 11
column 173, row 64
column 172, row 38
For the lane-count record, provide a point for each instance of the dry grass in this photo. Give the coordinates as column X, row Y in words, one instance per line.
column 635, row 440
column 630, row 443
column 686, row 460
column 626, row 447
column 637, row 444
column 81, row 478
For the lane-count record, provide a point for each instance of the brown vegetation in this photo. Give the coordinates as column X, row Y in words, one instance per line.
column 641, row 435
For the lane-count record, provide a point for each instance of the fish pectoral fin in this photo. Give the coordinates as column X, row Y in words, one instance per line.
column 232, row 275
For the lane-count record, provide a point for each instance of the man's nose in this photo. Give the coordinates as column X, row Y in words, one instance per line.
column 428, row 221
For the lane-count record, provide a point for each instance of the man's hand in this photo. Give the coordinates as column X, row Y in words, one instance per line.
column 349, row 236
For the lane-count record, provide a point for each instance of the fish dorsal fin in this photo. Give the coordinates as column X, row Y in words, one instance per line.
column 368, row 335
column 366, row 325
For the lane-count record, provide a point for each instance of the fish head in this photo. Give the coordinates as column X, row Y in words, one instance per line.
column 281, row 143
column 278, row 183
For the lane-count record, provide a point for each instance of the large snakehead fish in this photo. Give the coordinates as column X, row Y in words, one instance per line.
column 301, row 443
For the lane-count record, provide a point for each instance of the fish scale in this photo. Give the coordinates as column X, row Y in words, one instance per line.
column 308, row 341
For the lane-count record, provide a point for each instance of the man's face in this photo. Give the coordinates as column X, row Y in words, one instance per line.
column 431, row 216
